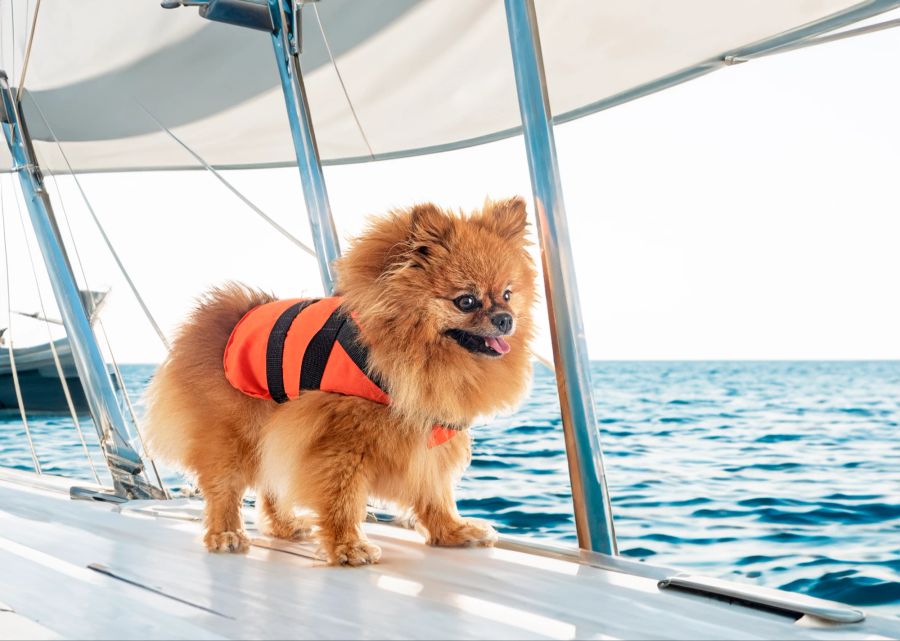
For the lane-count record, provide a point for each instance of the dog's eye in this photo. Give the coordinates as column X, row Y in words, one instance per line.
column 466, row 302
column 506, row 295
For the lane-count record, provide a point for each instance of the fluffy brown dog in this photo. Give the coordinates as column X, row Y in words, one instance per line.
column 444, row 305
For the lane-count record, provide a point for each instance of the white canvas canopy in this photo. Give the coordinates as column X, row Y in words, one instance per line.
column 421, row 75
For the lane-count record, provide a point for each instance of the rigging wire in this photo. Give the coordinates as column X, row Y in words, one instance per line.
column 99, row 322
column 12, row 356
column 284, row 232
column 12, row 25
column 87, row 286
column 106, row 338
column 341, row 80
column 109, row 245
column 115, row 255
column 131, row 411
column 115, row 364
column 56, row 361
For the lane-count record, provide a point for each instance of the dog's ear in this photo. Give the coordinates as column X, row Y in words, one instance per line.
column 405, row 238
column 429, row 230
column 506, row 218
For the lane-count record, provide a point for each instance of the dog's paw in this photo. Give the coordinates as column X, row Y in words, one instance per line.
column 466, row 533
column 356, row 553
column 226, row 541
column 295, row 529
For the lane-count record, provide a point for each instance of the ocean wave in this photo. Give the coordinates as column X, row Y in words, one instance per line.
column 848, row 586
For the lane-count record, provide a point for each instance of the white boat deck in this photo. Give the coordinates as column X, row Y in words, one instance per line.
column 82, row 569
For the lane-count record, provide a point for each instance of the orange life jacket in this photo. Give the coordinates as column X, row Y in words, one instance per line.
column 279, row 349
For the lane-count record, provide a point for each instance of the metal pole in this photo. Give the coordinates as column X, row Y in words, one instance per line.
column 124, row 463
column 285, row 20
column 593, row 513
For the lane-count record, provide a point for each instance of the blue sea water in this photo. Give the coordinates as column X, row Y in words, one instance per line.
column 782, row 474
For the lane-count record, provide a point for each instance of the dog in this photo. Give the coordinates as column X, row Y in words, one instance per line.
column 440, row 308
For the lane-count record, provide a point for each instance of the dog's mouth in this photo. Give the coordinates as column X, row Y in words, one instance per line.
column 493, row 346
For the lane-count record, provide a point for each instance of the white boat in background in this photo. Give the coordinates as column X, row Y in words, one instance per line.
column 105, row 85
column 38, row 369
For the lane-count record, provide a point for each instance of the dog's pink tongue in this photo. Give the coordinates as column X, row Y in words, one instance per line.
column 497, row 344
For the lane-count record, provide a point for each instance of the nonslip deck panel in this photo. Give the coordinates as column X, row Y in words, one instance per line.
column 48, row 542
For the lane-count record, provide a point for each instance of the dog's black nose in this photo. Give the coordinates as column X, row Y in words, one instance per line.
column 503, row 322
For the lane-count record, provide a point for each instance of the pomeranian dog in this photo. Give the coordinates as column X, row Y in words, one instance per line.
column 430, row 328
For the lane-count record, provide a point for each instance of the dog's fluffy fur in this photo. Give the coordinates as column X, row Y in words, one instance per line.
column 330, row 453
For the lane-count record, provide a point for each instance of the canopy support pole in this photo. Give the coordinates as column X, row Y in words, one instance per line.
column 285, row 21
column 281, row 19
column 125, row 464
column 593, row 513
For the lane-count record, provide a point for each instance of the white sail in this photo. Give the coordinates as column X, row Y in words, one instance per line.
column 421, row 75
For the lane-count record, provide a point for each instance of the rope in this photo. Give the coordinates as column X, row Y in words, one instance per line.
column 115, row 255
column 37, row 8
column 56, row 361
column 543, row 360
column 12, row 357
column 284, row 232
column 341, row 80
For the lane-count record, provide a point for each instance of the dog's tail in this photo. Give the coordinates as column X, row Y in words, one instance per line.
column 189, row 395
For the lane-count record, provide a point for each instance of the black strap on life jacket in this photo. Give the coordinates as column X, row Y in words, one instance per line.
column 275, row 350
column 348, row 337
column 339, row 327
column 319, row 349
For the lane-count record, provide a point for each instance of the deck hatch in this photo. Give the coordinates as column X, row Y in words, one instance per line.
column 796, row 605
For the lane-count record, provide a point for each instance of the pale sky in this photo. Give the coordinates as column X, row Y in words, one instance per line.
column 750, row 214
